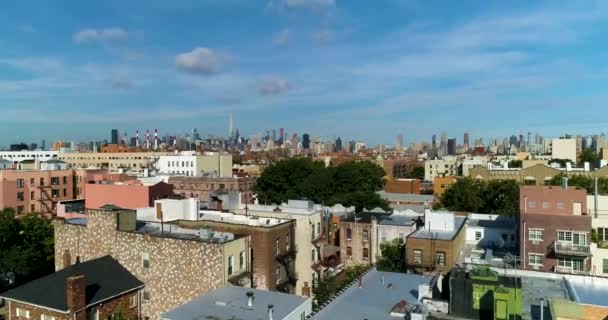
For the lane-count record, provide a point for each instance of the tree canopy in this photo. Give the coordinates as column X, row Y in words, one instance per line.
column 393, row 256
column 496, row 196
column 350, row 183
column 416, row 172
column 581, row 181
column 588, row 155
column 26, row 246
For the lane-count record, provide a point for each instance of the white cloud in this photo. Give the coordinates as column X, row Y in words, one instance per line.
column 323, row 36
column 272, row 86
column 281, row 38
column 199, row 61
column 101, row 35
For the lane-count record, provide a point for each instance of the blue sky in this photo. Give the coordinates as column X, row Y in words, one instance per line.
column 356, row 69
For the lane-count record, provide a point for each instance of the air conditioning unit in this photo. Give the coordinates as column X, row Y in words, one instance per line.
column 535, row 267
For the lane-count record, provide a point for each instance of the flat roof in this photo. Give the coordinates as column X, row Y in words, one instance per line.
column 398, row 220
column 375, row 299
column 407, row 197
column 365, row 217
column 169, row 230
column 233, row 218
column 230, row 302
column 439, row 235
column 498, row 223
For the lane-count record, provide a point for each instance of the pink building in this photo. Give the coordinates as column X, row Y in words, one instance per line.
column 128, row 195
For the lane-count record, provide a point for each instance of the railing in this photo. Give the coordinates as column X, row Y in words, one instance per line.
column 560, row 269
column 571, row 249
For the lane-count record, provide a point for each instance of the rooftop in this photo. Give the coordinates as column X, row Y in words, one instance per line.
column 170, row 230
column 398, row 220
column 365, row 217
column 375, row 299
column 491, row 221
column 105, row 278
column 229, row 217
column 406, row 197
column 436, row 234
column 230, row 302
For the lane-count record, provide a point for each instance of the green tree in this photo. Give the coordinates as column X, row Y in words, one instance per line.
column 562, row 162
column 350, row 183
column 581, row 181
column 501, row 197
column 417, row 172
column 393, row 256
column 590, row 156
column 469, row 195
column 26, row 246
column 464, row 195
column 515, row 164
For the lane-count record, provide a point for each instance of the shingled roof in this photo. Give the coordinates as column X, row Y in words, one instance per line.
column 105, row 278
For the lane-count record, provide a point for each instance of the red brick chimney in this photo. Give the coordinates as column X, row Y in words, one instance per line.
column 75, row 290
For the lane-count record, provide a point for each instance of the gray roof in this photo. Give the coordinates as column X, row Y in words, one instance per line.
column 440, row 235
column 398, row 220
column 406, row 197
column 416, row 207
column 375, row 299
column 230, row 302
column 500, row 223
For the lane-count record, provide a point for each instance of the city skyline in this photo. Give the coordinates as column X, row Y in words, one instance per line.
column 328, row 68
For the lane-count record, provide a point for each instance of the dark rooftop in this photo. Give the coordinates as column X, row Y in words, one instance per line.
column 365, row 217
column 105, row 278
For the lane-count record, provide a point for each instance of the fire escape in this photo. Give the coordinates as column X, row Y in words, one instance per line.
column 287, row 260
column 44, row 198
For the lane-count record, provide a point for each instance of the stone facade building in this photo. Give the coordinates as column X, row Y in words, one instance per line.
column 175, row 265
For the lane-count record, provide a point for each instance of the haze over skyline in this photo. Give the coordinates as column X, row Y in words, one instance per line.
column 327, row 67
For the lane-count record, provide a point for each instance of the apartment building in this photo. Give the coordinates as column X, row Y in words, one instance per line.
column 402, row 186
column 564, row 149
column 555, row 229
column 36, row 191
column 191, row 164
column 444, row 167
column 309, row 238
column 128, row 161
column 203, row 188
column 38, row 155
column 537, row 174
column 175, row 264
column 598, row 210
column 440, row 184
column 127, row 195
column 436, row 246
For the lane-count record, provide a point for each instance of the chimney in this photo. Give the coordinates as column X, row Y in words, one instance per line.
column 270, row 311
column 75, row 288
column 67, row 259
column 565, row 183
column 250, row 299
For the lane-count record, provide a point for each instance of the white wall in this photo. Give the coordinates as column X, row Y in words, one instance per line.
column 437, row 168
column 391, row 233
column 196, row 165
column 16, row 156
column 564, row 149
column 491, row 235
column 184, row 209
column 439, row 221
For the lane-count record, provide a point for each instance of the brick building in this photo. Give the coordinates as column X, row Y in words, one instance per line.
column 35, row 190
column 555, row 229
column 174, row 263
column 96, row 289
column 128, row 195
column 273, row 246
column 203, row 187
column 402, row 186
column 437, row 246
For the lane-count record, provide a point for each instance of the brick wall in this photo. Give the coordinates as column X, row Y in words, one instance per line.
column 179, row 271
column 430, row 248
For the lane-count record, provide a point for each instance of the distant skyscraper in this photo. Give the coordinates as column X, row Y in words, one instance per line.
column 452, row 146
column 434, row 142
column 305, row 141
column 466, row 141
column 274, row 134
column 114, row 139
column 231, row 127
column 281, row 135
column 338, row 145
column 399, row 142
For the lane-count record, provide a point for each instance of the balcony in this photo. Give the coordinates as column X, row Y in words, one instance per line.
column 559, row 269
column 570, row 249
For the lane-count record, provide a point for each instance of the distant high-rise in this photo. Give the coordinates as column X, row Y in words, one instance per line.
column 434, row 142
column 114, row 139
column 281, row 135
column 338, row 145
column 274, row 134
column 399, row 142
column 43, row 145
column 231, row 127
column 452, row 146
column 466, row 141
column 305, row 141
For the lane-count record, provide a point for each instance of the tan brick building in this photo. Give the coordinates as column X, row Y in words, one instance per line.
column 175, row 264
column 203, row 187
column 437, row 246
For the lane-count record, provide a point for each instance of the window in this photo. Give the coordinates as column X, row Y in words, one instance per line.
column 20, row 183
column 560, row 205
column 32, row 195
column 32, row 181
column 579, row 238
column 33, row 208
column 417, row 256
column 313, row 255
column 365, row 235
column 287, row 243
column 46, row 317
column 145, row 260
column 365, row 253
column 605, row 266
column 65, row 180
column 133, row 301
column 602, row 234
column 277, row 274
column 20, row 209
column 42, row 182
column 440, row 258
column 318, row 228
column 505, row 237
column 65, row 192
column 54, row 193
column 535, row 259
column 230, row 265
column 349, row 251
column 146, row 295
column 242, row 260
column 349, row 234
column 546, row 205
column 477, row 235
column 20, row 196
column 535, row 234
column 23, row 313
column 565, row 236
column 532, row 204
column 54, row 181
column 277, row 249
